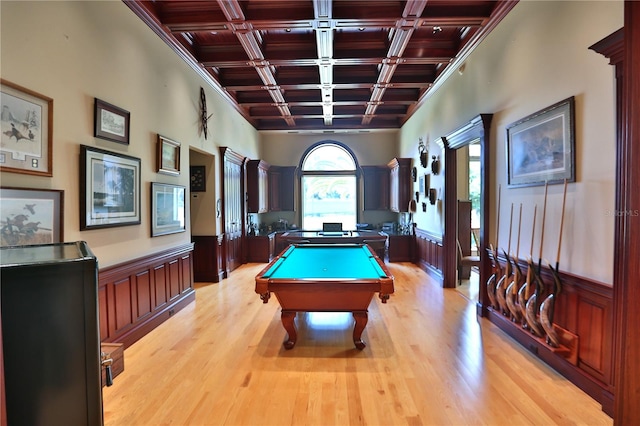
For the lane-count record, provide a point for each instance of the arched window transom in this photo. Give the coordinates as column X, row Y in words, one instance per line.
column 329, row 186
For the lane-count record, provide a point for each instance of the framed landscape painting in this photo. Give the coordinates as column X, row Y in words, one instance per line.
column 168, row 156
column 110, row 122
column 167, row 209
column 109, row 189
column 541, row 147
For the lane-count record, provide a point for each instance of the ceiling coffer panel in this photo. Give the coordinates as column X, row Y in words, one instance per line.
column 323, row 64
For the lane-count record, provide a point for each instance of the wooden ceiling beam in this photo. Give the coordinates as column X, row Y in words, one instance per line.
column 252, row 45
column 400, row 39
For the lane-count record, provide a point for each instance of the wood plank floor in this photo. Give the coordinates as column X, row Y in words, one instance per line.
column 429, row 361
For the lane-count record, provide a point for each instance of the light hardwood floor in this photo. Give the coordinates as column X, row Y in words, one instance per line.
column 429, row 361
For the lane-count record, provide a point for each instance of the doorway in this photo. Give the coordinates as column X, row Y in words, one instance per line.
column 469, row 218
column 476, row 132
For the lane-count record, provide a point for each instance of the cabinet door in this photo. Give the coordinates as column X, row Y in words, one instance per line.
column 376, row 187
column 257, row 186
column 287, row 186
column 233, row 210
column 274, row 188
column 400, row 183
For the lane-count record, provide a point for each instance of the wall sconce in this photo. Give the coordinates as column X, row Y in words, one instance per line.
column 424, row 153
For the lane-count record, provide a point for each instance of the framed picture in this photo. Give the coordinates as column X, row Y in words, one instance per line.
column 424, row 184
column 168, row 156
column 109, row 189
column 31, row 216
column 198, row 178
column 27, row 131
column 541, row 147
column 110, row 122
column 167, row 209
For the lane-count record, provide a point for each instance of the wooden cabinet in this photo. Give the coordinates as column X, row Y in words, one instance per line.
column 376, row 187
column 400, row 248
column 400, row 183
column 261, row 248
column 257, row 186
column 51, row 343
column 281, row 188
column 233, row 207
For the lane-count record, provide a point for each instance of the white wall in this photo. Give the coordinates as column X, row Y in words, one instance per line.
column 74, row 51
column 538, row 55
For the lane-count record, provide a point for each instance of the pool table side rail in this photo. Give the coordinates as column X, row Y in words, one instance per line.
column 265, row 284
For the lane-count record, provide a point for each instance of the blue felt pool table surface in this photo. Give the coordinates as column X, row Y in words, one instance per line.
column 325, row 262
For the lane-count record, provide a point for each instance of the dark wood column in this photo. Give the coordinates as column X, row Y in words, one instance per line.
column 623, row 50
column 626, row 281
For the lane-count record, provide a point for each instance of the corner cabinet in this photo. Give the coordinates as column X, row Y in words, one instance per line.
column 50, row 335
column 376, row 187
column 400, row 184
column 257, row 186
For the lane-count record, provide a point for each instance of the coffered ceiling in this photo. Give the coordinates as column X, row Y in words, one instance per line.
column 323, row 64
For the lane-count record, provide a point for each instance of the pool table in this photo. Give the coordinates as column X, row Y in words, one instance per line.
column 325, row 278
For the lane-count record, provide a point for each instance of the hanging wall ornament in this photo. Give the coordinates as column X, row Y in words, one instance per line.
column 424, row 153
column 204, row 118
column 435, row 165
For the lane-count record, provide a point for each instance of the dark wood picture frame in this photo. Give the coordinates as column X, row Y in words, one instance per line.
column 31, row 216
column 26, row 131
column 168, row 156
column 109, row 189
column 168, row 210
column 541, row 147
column 198, row 178
column 111, row 122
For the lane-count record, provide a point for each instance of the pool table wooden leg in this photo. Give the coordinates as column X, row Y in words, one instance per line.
column 288, row 318
column 361, row 318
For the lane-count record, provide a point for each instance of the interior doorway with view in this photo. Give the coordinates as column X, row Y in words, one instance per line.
column 469, row 217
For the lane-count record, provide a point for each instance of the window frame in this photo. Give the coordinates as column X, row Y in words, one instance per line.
column 357, row 173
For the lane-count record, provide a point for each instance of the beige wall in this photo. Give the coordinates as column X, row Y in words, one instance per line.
column 538, row 55
column 73, row 51
column 370, row 148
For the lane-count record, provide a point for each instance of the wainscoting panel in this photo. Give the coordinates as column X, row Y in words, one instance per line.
column 584, row 308
column 137, row 296
column 429, row 254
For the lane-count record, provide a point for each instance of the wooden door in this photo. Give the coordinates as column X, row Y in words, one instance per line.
column 233, row 206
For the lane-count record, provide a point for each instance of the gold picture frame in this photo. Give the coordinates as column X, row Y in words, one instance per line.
column 168, row 156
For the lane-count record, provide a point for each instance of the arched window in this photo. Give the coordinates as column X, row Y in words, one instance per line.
column 329, row 186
